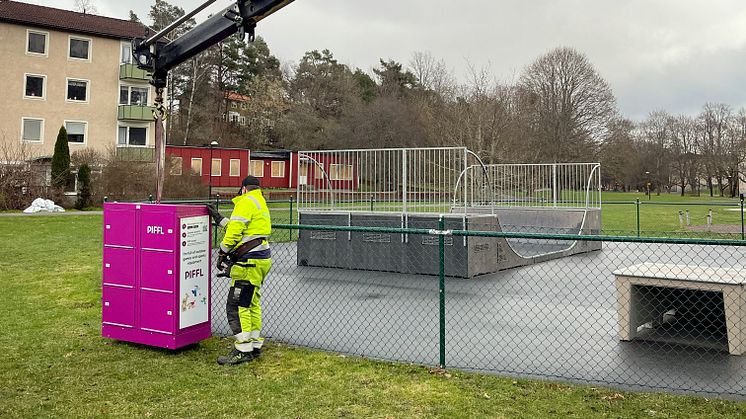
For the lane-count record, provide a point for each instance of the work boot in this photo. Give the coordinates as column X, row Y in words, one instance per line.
column 236, row 357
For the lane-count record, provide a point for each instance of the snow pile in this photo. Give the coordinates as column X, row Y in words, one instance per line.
column 40, row 204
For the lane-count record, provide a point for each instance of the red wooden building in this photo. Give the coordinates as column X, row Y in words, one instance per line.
column 282, row 169
column 229, row 165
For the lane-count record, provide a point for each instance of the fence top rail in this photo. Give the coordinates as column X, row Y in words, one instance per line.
column 736, row 203
column 367, row 150
column 540, row 164
column 536, row 236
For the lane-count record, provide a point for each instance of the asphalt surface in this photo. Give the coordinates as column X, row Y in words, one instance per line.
column 555, row 320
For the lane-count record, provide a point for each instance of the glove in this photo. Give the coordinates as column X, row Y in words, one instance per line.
column 217, row 217
column 222, row 262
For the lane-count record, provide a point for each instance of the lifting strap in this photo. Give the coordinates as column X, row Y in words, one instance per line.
column 159, row 114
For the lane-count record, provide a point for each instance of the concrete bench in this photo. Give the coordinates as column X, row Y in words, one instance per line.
column 637, row 308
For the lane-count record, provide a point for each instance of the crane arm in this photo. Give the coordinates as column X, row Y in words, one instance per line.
column 240, row 18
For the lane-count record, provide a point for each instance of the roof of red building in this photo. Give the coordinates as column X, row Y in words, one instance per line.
column 67, row 20
column 236, row 97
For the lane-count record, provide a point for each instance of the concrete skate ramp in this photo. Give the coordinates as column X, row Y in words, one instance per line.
column 547, row 221
column 464, row 257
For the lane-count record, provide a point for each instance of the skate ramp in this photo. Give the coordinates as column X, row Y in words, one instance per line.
column 465, row 257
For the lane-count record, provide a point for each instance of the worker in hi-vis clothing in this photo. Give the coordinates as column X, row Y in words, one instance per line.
column 245, row 255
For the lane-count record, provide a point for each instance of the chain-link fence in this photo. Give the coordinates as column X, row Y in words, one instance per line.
column 633, row 313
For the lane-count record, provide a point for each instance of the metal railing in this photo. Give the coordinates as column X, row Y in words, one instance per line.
column 551, row 185
column 398, row 180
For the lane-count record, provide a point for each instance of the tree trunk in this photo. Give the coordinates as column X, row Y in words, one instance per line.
column 191, row 100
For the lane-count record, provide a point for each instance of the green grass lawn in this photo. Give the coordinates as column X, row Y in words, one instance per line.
column 54, row 362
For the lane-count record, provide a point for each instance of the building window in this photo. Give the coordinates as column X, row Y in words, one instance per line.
column 235, row 167
column 35, row 86
column 257, row 168
column 135, row 136
column 242, row 120
column 340, row 172
column 215, row 169
column 176, row 164
column 131, row 95
column 197, row 166
column 80, row 48
column 126, row 57
column 36, row 42
column 278, row 169
column 233, row 117
column 32, row 129
column 233, row 105
column 77, row 90
column 75, row 131
column 318, row 171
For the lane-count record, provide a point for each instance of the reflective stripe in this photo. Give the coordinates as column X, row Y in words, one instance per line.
column 224, row 248
column 239, row 218
column 256, row 202
column 245, row 347
column 250, row 238
column 223, row 222
column 243, row 337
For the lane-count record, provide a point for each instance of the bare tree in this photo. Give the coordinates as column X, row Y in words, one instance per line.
column 569, row 105
column 85, row 7
column 432, row 74
column 683, row 153
column 714, row 124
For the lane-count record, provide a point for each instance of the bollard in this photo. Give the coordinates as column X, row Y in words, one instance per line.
column 709, row 219
column 681, row 219
column 688, row 220
column 150, row 198
column 106, row 199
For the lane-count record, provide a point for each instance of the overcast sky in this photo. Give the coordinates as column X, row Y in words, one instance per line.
column 656, row 54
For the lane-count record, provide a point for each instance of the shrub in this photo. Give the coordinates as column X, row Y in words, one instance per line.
column 84, row 187
column 21, row 179
column 61, row 160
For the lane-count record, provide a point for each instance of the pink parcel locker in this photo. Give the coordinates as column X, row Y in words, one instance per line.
column 156, row 274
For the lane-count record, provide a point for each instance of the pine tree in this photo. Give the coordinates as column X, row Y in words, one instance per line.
column 61, row 160
column 84, row 187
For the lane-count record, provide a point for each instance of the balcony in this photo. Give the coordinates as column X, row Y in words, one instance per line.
column 135, row 113
column 132, row 73
column 135, row 154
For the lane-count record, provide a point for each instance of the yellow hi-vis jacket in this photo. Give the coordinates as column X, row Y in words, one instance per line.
column 249, row 220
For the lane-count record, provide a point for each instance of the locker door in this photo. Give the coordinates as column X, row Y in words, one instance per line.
column 119, row 225
column 157, row 311
column 157, row 270
column 118, row 306
column 119, row 266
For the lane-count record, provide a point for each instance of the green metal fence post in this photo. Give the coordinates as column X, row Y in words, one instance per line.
column 637, row 204
column 742, row 229
column 291, row 217
column 442, row 289
column 371, row 202
column 215, row 228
